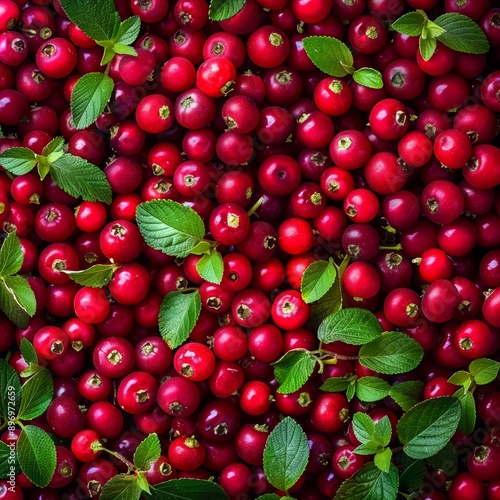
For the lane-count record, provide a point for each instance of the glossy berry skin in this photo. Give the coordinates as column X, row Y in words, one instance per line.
column 389, row 119
column 85, row 445
column 137, row 392
column 330, row 411
column 474, row 339
column 194, row 361
column 178, row 396
column 50, row 342
column 186, row 453
column 114, row 357
column 289, row 311
column 465, row 485
column 229, row 224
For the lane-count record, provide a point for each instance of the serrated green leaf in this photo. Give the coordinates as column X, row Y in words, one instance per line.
column 36, row 453
column 293, row 370
column 427, row 47
column 462, row 34
column 286, row 454
column 11, row 255
column 90, row 95
column 56, row 145
column 383, row 431
column 317, row 279
column 169, row 226
column 120, row 48
column 350, row 392
column 202, row 247
column 328, row 54
column 17, row 300
column 368, row 448
column 410, row 24
column 383, row 459
column 468, row 417
column 407, row 394
column 368, row 77
column 428, row 426
column 363, row 427
column 211, row 267
column 43, row 166
column 372, row 389
column 412, row 476
column 95, row 276
column 37, row 394
column 28, row 351
column 187, row 489
column 10, row 398
column 445, row 459
column 353, row 326
column 178, row 315
column 370, row 483
column 268, row 496
column 336, row 384
column 484, row 370
column 98, row 20
column 121, row 487
column 8, row 460
column 460, row 378
column 108, row 54
column 148, row 451
column 18, row 161
column 142, row 482
column 128, row 31
column 224, row 9
column 391, row 353
column 433, row 30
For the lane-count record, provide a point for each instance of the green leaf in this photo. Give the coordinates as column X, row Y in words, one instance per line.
column 78, row 178
column 98, row 20
column 407, row 394
column 188, row 489
column 121, row 487
column 148, row 451
column 363, row 427
column 28, row 351
column 95, row 276
column 351, row 391
column 10, row 398
column 370, row 483
column 383, row 459
column 427, row 47
column 108, row 54
column 268, row 496
column 178, row 314
column 37, row 394
column 317, row 279
column 90, row 95
column 202, row 247
column 468, row 417
column 368, row 77
column 224, row 9
column 169, row 226
column 392, row 353
column 372, row 389
column 336, row 384
column 11, row 255
column 18, row 161
column 128, row 31
column 36, row 453
column 293, row 370
column 328, row 54
column 17, row 300
column 368, row 448
column 460, row 378
column 462, row 34
column 211, row 267
column 120, row 48
column 142, row 482
column 433, row 30
column 410, row 24
column 428, row 426
column 412, row 476
column 8, row 459
column 54, row 147
column 484, row 370
column 445, row 459
column 286, row 454
column 353, row 326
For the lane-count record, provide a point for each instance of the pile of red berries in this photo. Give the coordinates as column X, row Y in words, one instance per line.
column 285, row 166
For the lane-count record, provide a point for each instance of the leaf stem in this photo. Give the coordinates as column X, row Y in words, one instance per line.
column 131, row 467
column 255, row 206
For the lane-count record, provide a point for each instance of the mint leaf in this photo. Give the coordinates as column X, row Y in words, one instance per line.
column 18, row 161
column 8, row 459
column 28, row 351
column 484, row 370
column 211, row 267
column 352, row 326
column 328, row 54
column 121, row 487
column 336, row 384
column 462, row 34
column 37, row 394
column 383, row 459
column 11, row 255
column 10, row 398
column 428, row 426
column 17, row 300
column 178, row 314
column 427, row 47
column 468, row 417
column 293, row 370
column 148, row 451
column 286, row 454
column 412, row 476
column 98, row 20
column 368, row 77
column 36, row 453
column 224, row 9
column 95, row 276
column 410, row 24
column 372, row 389
column 392, row 353
column 370, row 483
column 169, row 226
column 90, row 95
column 128, row 31
column 461, row 378
column 78, row 178
column 407, row 394
column 363, row 427
column 186, row 489
column 317, row 279
column 445, row 459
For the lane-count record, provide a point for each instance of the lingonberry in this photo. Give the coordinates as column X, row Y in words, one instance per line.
column 389, row 119
column 194, row 361
column 105, row 419
column 94, row 386
column 93, row 475
column 329, row 412
column 255, row 397
column 178, row 396
column 91, row 304
column 114, row 357
column 65, row 417
column 86, row 445
column 465, row 485
column 250, row 308
column 442, row 201
column 186, row 453
column 121, row 241
column 345, row 463
column 361, row 205
column 137, row 392
column 440, row 301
